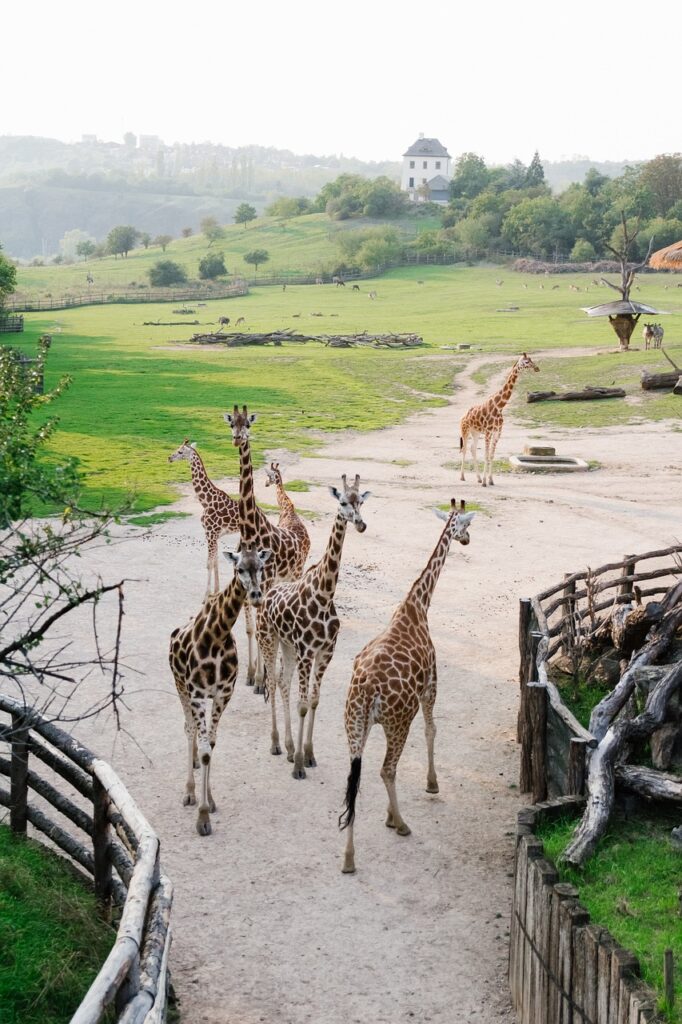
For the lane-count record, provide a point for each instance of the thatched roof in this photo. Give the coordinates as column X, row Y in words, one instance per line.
column 622, row 307
column 669, row 258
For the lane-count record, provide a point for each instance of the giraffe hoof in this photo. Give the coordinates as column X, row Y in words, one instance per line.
column 310, row 762
column 290, row 756
column 250, row 680
column 204, row 826
column 348, row 869
column 299, row 773
column 390, row 822
column 404, row 830
column 491, row 483
column 432, row 787
column 259, row 688
column 275, row 749
column 195, row 763
column 189, row 800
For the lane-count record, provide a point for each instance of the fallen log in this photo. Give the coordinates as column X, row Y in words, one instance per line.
column 659, row 381
column 677, row 390
column 649, row 783
column 171, row 323
column 587, row 394
column 237, row 338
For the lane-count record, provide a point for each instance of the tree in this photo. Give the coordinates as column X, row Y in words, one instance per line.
column 146, row 239
column 471, row 176
column 165, row 272
column 244, row 214
column 212, row 230
column 38, row 577
column 625, row 323
column 186, row 232
column 662, row 177
column 121, row 240
column 86, row 249
column 8, row 278
column 69, row 242
column 163, row 240
column 288, row 206
column 538, row 226
column 256, row 257
column 535, row 175
column 583, row 251
column 212, row 266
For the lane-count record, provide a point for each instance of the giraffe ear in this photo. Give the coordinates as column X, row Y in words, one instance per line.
column 231, row 556
column 192, row 444
column 365, row 495
column 227, row 417
column 253, row 417
column 465, row 518
column 335, row 493
column 441, row 515
column 265, row 554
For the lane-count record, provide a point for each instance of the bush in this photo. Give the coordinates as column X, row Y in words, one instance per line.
column 212, row 266
column 166, row 272
column 582, row 251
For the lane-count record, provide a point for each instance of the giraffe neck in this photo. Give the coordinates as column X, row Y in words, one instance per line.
column 252, row 523
column 501, row 398
column 327, row 569
column 286, row 505
column 229, row 603
column 204, row 488
column 423, row 587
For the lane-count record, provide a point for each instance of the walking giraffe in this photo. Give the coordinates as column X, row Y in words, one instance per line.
column 203, row 660
column 300, row 618
column 392, row 676
column 487, row 419
column 289, row 518
column 289, row 548
column 220, row 512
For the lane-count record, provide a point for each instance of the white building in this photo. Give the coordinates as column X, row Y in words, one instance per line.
column 426, row 162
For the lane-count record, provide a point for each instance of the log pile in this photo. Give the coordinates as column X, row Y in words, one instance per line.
column 647, row 633
column 586, row 394
column 671, row 380
column 238, row 338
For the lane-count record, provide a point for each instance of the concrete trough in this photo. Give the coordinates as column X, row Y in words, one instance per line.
column 547, row 464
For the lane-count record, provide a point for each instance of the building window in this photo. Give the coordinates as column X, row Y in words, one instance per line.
column 425, row 164
column 411, row 183
column 437, row 165
column 411, row 165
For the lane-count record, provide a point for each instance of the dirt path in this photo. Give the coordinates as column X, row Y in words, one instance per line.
column 267, row 929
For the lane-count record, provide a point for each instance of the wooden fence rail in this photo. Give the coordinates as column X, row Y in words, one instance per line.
column 554, row 745
column 25, row 304
column 563, row 969
column 121, row 855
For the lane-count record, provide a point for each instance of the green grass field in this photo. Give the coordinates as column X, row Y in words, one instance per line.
column 51, row 941
column 136, row 394
column 630, row 886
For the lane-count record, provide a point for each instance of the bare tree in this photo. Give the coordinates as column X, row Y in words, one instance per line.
column 625, row 323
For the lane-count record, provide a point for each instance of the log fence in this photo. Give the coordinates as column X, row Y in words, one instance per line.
column 26, row 304
column 121, row 856
column 554, row 745
column 11, row 324
column 563, row 968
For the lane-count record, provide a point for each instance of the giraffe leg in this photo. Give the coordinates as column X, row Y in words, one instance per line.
column 357, row 730
column 395, row 741
column 267, row 644
column 212, row 565
column 493, row 446
column 227, row 674
column 304, row 665
column 190, row 798
column 465, row 441
column 285, row 677
column 428, row 700
column 203, row 816
column 474, row 455
column 320, row 667
column 259, row 684
column 250, row 631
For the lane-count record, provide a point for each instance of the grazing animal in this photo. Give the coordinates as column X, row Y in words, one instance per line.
column 658, row 335
column 220, row 513
column 499, row 282
column 420, row 282
column 317, row 314
column 356, row 288
column 487, row 419
column 525, row 287
column 239, row 320
column 392, row 676
column 300, row 618
column 595, row 282
column 318, row 280
column 648, row 335
column 224, row 320
column 555, row 287
column 371, row 295
column 203, row 660
column 339, row 282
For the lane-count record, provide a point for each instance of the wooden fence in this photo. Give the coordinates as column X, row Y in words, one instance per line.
column 11, row 324
column 122, row 856
column 563, row 969
column 554, row 745
column 29, row 305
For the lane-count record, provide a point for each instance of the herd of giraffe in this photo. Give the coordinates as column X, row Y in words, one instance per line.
column 392, row 676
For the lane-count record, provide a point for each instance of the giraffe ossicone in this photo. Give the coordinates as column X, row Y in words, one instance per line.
column 392, row 676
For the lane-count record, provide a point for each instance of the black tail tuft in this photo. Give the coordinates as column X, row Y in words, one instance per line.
column 461, row 442
column 348, row 814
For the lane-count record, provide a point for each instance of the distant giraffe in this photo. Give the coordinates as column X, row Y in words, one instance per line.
column 392, row 676
column 487, row 419
column 220, row 512
column 289, row 519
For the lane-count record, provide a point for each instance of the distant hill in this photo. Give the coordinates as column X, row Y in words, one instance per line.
column 562, row 173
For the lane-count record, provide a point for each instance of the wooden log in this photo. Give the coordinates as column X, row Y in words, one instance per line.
column 69, row 771
column 561, row 892
column 571, row 916
column 18, row 814
column 648, row 782
column 659, row 381
column 629, row 565
column 669, row 978
column 100, row 844
column 677, row 390
column 537, row 713
column 528, row 848
column 610, row 567
column 58, row 836
column 74, row 750
column 576, row 766
column 578, row 971
column 61, row 803
column 120, row 796
column 610, row 584
column 586, row 395
column 525, row 626
column 567, row 619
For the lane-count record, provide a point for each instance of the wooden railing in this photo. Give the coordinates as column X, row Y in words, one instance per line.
column 29, row 304
column 554, row 744
column 121, row 855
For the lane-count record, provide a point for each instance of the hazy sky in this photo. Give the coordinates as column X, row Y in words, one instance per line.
column 351, row 77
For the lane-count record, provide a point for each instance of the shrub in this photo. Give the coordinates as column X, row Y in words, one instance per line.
column 166, row 272
column 582, row 251
column 212, row 266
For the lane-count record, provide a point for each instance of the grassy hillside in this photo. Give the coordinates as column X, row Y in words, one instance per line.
column 136, row 395
column 301, row 244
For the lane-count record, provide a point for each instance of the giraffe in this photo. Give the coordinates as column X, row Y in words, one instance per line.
column 203, row 660
column 288, row 547
column 487, row 419
column 393, row 675
column 220, row 512
column 289, row 518
column 300, row 618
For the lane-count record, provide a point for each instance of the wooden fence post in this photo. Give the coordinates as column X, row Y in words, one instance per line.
column 628, row 570
column 100, row 845
column 669, row 978
column 18, row 815
column 525, row 620
column 576, row 766
column 568, row 624
column 537, row 739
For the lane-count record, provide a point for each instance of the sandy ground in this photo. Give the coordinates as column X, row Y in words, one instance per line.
column 266, row 928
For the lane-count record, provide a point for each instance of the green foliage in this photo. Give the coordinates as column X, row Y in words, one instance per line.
column 256, row 257
column 663, row 230
column 186, row 232
column 471, row 176
column 145, row 239
column 583, row 251
column 53, row 942
column 212, row 266
column 121, row 239
column 352, row 196
column 212, row 230
column 535, row 175
column 8, row 278
column 286, row 207
column 537, row 225
column 86, row 249
column 630, row 886
column 244, row 214
column 662, row 178
column 163, row 241
column 165, row 273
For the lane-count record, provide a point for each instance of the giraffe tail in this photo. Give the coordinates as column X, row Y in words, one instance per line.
column 347, row 816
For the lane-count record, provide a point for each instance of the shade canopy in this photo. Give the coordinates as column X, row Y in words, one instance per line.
column 622, row 307
column 669, row 258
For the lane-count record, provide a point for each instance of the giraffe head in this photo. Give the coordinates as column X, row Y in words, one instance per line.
column 526, row 363
column 185, row 451
column 350, row 502
column 248, row 565
column 273, row 475
column 458, row 520
column 240, row 423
